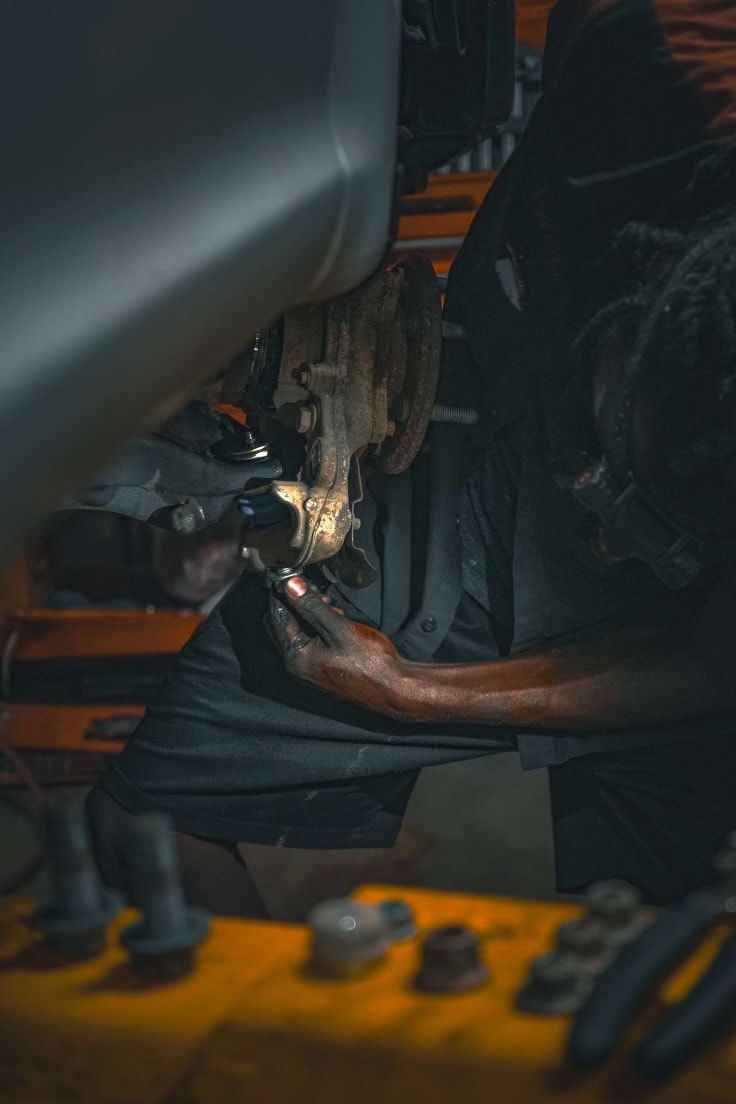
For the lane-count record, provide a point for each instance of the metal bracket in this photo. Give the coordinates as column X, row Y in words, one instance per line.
column 359, row 373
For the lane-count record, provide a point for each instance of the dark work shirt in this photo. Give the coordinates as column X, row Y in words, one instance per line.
column 636, row 94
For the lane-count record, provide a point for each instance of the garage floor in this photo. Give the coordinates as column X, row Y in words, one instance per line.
column 491, row 827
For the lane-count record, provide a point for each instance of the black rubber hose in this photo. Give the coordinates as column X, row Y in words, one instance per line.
column 629, row 979
column 689, row 1024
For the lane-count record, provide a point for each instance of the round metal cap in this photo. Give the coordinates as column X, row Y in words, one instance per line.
column 346, row 936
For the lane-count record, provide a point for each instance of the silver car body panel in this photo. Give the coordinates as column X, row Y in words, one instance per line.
column 175, row 175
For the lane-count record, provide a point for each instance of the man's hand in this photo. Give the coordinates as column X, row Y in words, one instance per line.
column 345, row 659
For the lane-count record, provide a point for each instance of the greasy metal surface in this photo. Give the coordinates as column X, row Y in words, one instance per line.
column 351, row 564
column 321, row 507
column 359, row 373
column 252, row 1025
column 413, row 394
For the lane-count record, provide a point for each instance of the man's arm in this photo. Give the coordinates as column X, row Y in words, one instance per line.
column 627, row 679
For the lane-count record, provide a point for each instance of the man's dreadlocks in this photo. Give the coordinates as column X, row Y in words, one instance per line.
column 675, row 328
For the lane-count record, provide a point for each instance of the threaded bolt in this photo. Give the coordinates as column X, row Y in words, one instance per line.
column 81, row 907
column 454, row 415
column 169, row 928
column 452, row 331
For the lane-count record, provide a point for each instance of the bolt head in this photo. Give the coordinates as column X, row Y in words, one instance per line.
column 613, row 901
column 583, row 936
column 310, row 504
column 556, row 986
column 183, row 520
column 428, row 625
column 554, row 970
column 187, row 518
column 451, row 961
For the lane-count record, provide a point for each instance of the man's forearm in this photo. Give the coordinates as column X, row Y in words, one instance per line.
column 622, row 681
column 628, row 679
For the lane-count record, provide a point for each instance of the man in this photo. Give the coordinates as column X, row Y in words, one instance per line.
column 615, row 224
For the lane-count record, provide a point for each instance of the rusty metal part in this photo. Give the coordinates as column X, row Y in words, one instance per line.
column 413, row 398
column 224, row 387
column 451, row 961
column 357, row 374
column 321, row 509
